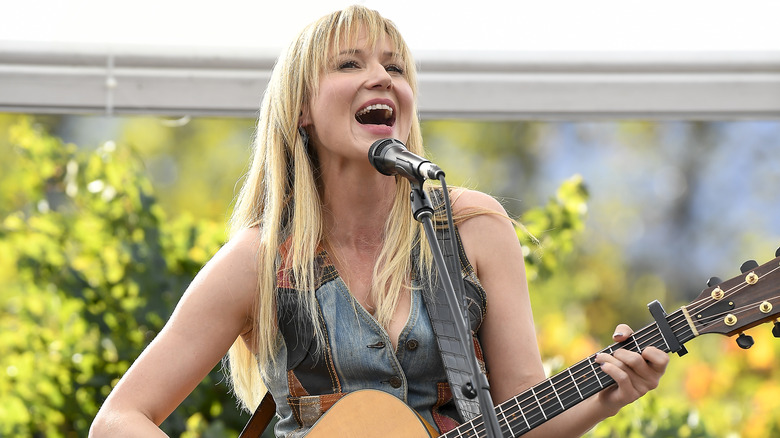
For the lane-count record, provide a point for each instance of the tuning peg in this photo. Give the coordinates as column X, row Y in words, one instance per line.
column 777, row 253
column 714, row 281
column 744, row 341
column 776, row 329
column 748, row 266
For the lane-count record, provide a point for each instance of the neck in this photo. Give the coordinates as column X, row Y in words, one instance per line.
column 553, row 396
column 355, row 208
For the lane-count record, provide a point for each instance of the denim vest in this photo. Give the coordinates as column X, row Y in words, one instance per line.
column 358, row 353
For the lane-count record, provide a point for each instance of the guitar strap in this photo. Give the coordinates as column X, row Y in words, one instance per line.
column 453, row 357
column 260, row 419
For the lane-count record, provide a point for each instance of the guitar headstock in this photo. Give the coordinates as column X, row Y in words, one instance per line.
column 730, row 307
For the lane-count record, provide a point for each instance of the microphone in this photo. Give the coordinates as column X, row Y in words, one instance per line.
column 390, row 157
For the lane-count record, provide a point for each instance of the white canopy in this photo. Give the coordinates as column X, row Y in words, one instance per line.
column 498, row 59
column 81, row 78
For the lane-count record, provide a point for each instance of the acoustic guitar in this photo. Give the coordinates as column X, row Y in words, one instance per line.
column 726, row 307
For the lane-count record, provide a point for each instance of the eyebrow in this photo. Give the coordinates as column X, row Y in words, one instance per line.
column 389, row 54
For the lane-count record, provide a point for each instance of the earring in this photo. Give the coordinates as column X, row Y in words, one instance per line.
column 304, row 136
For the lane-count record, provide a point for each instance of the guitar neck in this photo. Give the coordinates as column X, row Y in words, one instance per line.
column 560, row 392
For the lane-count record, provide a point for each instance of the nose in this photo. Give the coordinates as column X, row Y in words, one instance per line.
column 378, row 77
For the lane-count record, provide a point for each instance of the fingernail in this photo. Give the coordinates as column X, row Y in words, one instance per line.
column 617, row 334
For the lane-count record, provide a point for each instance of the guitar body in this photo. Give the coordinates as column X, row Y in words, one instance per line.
column 371, row 414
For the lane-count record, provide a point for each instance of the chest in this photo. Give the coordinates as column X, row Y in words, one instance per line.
column 357, row 276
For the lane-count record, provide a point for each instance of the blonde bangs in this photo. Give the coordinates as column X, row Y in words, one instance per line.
column 331, row 34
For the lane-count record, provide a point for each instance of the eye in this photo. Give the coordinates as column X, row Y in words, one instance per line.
column 347, row 65
column 393, row 68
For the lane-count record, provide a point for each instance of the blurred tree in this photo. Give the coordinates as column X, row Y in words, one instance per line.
column 499, row 158
column 98, row 242
column 649, row 180
column 92, row 269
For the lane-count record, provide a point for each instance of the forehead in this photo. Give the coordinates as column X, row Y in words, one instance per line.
column 365, row 39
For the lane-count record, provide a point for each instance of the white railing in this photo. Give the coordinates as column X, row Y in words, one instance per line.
column 45, row 78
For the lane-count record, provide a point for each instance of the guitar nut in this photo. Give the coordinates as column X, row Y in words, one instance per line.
column 730, row 319
column 751, row 278
column 765, row 307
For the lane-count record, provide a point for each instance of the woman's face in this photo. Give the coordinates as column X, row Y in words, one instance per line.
column 363, row 97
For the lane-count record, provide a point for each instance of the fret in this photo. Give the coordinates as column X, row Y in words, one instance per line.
column 583, row 374
column 505, row 421
column 531, row 410
column 520, row 408
column 685, row 332
column 473, row 432
column 515, row 415
column 595, row 373
column 562, row 391
column 555, row 391
column 546, row 395
column 539, row 403
column 575, row 383
column 567, row 396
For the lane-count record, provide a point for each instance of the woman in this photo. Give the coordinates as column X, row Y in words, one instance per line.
column 318, row 292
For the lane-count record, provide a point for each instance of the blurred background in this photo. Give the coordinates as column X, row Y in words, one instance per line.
column 640, row 145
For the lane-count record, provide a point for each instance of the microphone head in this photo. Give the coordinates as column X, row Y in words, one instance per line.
column 377, row 155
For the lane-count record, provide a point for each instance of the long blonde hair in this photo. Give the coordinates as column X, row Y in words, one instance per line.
column 280, row 195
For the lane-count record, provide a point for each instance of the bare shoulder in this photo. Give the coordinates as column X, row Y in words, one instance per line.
column 466, row 200
column 247, row 239
column 238, row 257
column 485, row 228
column 232, row 273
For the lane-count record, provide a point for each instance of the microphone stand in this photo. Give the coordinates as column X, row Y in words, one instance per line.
column 423, row 212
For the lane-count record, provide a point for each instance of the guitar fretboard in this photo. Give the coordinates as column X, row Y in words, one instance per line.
column 560, row 392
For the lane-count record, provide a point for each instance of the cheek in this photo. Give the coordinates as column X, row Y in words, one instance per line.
column 333, row 103
column 406, row 99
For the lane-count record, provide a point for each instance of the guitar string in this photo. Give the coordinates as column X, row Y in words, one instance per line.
column 677, row 321
column 736, row 288
column 730, row 292
column 642, row 336
column 565, row 389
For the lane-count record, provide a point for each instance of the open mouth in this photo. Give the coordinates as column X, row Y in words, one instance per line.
column 377, row 114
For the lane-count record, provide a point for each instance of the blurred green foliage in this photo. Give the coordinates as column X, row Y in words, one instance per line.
column 92, row 267
column 94, row 256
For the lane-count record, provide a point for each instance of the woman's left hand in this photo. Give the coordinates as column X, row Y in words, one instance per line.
column 635, row 373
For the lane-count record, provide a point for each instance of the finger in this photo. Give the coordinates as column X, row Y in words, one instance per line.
column 606, row 360
column 622, row 332
column 632, row 361
column 620, row 372
column 656, row 359
column 643, row 373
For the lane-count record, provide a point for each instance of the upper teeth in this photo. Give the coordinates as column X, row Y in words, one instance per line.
column 377, row 106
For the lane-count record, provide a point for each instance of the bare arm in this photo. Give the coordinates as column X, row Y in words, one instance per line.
column 211, row 314
column 508, row 335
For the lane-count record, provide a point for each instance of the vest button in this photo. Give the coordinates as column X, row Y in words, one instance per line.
column 412, row 344
column 396, row 382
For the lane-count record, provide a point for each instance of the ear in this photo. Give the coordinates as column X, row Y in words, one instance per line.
column 304, row 119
